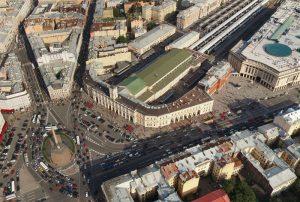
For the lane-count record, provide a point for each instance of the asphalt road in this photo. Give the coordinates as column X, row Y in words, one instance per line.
column 145, row 152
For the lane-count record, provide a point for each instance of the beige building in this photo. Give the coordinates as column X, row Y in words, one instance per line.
column 272, row 57
column 114, row 29
column 106, row 51
column 271, row 132
column 108, row 13
column 200, row 9
column 158, row 13
column 289, row 121
column 188, row 183
column 291, row 155
column 11, row 14
column 152, row 116
column 226, row 167
column 129, row 98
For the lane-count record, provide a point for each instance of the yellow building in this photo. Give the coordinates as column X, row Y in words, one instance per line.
column 226, row 167
column 170, row 173
column 108, row 13
column 187, row 183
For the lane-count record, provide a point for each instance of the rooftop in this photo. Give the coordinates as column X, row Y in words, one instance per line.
column 184, row 41
column 215, row 74
column 215, row 196
column 11, row 76
column 277, row 43
column 140, row 181
column 150, row 37
column 157, row 71
column 294, row 149
column 292, row 116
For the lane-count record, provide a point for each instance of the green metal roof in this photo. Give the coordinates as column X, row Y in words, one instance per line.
column 163, row 65
column 165, row 81
column 155, row 71
column 134, row 84
column 282, row 28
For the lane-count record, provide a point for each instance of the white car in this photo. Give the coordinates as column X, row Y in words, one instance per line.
column 86, row 194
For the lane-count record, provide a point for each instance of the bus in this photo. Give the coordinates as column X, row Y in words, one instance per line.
column 44, row 166
column 49, row 128
column 13, row 189
column 10, row 197
column 34, row 118
column 26, row 159
column 77, row 140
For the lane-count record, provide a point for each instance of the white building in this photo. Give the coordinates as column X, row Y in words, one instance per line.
column 13, row 94
column 272, row 56
column 155, row 36
column 185, row 41
column 289, row 121
column 139, row 185
column 106, row 51
column 263, row 165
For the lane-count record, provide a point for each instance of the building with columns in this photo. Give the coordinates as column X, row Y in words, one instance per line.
column 272, row 56
column 133, row 107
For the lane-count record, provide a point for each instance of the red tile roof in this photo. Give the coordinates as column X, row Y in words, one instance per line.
column 215, row 196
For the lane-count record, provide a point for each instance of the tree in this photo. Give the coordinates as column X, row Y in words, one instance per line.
column 296, row 187
column 122, row 39
column 151, row 25
column 228, row 186
column 243, row 192
column 171, row 17
column 117, row 12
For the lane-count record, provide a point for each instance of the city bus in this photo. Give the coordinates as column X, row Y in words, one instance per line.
column 77, row 140
column 26, row 159
column 44, row 166
column 13, row 189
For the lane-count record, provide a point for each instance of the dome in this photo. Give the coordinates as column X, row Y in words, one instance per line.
column 278, row 50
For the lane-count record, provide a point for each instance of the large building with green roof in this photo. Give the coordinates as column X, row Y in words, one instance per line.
column 159, row 76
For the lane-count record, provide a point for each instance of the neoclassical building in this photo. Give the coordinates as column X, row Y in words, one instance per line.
column 121, row 99
column 272, row 56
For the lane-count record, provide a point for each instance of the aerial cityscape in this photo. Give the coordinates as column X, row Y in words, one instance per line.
column 150, row 100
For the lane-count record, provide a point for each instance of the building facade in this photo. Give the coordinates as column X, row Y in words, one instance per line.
column 216, row 78
column 289, row 121
column 199, row 10
column 155, row 36
column 271, row 57
column 188, row 183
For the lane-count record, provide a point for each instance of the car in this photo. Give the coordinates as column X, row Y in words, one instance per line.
column 86, row 194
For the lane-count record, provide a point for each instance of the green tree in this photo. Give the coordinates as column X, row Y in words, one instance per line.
column 296, row 188
column 117, row 12
column 151, row 25
column 171, row 17
column 122, row 39
column 242, row 193
column 228, row 186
